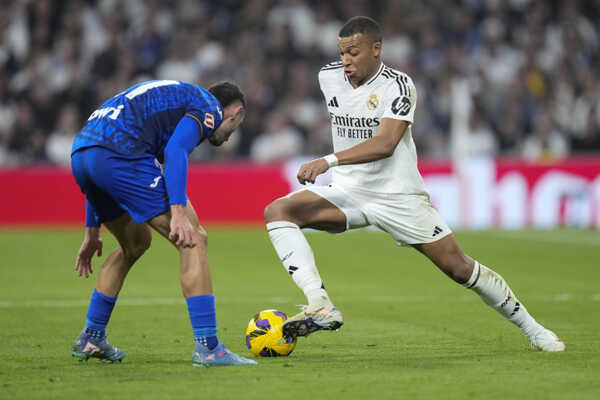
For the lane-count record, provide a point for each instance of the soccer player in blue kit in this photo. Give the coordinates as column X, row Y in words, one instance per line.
column 116, row 161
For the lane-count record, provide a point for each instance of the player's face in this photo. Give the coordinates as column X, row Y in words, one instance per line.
column 360, row 57
column 234, row 116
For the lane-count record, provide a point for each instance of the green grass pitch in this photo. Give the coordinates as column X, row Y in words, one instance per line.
column 409, row 333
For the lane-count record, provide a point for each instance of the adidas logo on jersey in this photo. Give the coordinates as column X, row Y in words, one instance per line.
column 437, row 230
column 333, row 102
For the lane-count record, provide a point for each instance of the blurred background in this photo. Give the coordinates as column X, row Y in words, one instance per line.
column 533, row 68
column 496, row 78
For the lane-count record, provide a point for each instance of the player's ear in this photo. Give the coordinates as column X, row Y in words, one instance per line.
column 376, row 47
column 232, row 110
column 238, row 112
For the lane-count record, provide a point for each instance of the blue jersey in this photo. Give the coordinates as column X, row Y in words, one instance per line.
column 141, row 119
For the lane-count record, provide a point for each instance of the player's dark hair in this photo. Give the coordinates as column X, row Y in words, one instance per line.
column 227, row 93
column 361, row 24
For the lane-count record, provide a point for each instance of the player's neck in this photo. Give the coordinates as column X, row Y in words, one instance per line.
column 368, row 78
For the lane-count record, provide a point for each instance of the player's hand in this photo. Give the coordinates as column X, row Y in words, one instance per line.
column 309, row 171
column 182, row 231
column 92, row 243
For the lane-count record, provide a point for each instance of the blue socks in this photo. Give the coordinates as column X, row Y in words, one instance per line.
column 204, row 320
column 201, row 309
column 98, row 314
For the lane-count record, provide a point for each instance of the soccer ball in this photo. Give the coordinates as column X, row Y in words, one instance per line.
column 264, row 336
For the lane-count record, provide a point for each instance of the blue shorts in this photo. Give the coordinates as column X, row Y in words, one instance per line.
column 115, row 183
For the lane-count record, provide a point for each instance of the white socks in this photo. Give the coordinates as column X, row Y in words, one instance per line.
column 494, row 291
column 298, row 260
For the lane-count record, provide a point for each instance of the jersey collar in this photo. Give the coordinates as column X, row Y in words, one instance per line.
column 377, row 74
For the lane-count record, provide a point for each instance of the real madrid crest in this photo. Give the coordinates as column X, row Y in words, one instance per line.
column 373, row 102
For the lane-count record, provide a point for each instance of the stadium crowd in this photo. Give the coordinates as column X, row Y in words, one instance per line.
column 533, row 67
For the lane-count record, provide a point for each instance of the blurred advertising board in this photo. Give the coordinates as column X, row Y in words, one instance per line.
column 474, row 194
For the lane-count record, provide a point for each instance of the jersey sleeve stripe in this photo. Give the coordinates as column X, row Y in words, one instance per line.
column 392, row 72
column 406, row 84
column 401, row 80
column 403, row 91
column 198, row 121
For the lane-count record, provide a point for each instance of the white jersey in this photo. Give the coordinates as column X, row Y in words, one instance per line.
column 356, row 114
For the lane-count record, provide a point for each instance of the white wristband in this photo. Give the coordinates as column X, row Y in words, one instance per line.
column 332, row 160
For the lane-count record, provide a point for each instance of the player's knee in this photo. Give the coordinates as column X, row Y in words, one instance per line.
column 132, row 254
column 460, row 268
column 275, row 211
column 136, row 249
column 201, row 236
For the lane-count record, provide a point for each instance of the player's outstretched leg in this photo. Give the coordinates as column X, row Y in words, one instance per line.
column 496, row 293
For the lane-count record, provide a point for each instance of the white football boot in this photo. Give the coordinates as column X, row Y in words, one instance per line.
column 310, row 320
column 546, row 340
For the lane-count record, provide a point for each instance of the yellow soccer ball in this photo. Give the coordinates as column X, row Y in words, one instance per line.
column 264, row 336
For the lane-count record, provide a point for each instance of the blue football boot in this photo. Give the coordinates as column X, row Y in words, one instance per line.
column 87, row 346
column 219, row 356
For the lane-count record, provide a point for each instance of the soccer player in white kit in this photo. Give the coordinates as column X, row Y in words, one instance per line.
column 375, row 182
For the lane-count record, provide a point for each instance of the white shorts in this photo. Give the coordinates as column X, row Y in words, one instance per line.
column 410, row 219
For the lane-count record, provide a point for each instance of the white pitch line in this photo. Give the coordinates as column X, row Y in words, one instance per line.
column 85, row 303
column 562, row 297
column 273, row 302
column 556, row 237
column 573, row 236
column 134, row 301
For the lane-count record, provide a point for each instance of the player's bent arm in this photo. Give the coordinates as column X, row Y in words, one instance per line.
column 92, row 232
column 380, row 146
column 91, row 216
column 185, row 138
